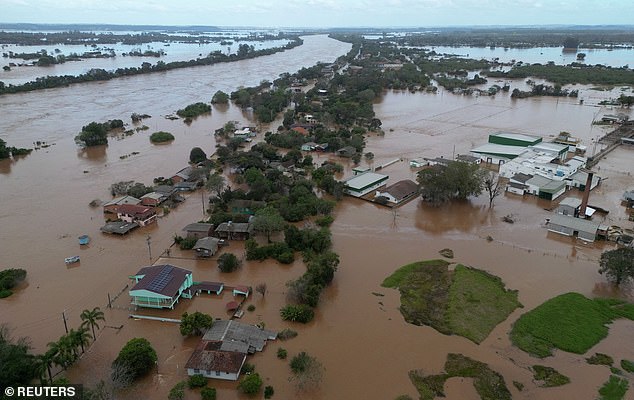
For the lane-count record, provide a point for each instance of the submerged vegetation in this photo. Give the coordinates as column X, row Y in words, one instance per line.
column 569, row 322
column 489, row 384
column 549, row 377
column 466, row 301
column 9, row 278
column 161, row 137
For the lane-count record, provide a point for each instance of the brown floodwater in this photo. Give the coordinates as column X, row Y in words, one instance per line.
column 356, row 335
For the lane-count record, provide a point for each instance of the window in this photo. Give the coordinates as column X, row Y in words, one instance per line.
column 217, row 373
column 196, row 371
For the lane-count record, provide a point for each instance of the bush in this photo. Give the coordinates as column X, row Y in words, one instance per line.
column 286, row 334
column 228, row 262
column 208, row 393
column 247, row 368
column 250, row 384
column 300, row 362
column 187, row 243
column 220, row 97
column 251, row 308
column 600, row 359
column 10, row 277
column 177, row 392
column 196, row 381
column 282, row 353
column 161, row 137
column 268, row 392
column 5, row 293
column 325, row 221
column 297, row 313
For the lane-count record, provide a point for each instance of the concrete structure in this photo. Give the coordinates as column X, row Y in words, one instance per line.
column 399, row 192
column 206, row 247
column 579, row 179
column 571, row 226
column 572, row 206
column 492, row 153
column 160, row 286
column 363, row 184
column 360, row 170
column 545, row 161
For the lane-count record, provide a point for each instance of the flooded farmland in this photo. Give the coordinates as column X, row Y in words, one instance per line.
column 356, row 334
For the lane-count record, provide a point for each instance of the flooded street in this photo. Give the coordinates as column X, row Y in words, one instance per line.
column 356, row 335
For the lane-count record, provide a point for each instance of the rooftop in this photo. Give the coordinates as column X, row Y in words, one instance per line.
column 241, row 227
column 516, row 136
column 571, row 202
column 520, row 177
column 577, row 224
column 499, row 149
column 209, row 357
column 162, row 279
column 119, row 227
column 237, row 335
column 365, row 179
column 133, row 209
column 402, row 189
column 550, row 147
column 198, row 227
column 122, row 200
column 207, row 243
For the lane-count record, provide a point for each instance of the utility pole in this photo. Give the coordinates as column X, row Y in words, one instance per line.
column 149, row 247
column 64, row 318
column 202, row 199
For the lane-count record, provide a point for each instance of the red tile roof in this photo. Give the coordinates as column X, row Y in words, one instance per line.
column 208, row 357
column 135, row 210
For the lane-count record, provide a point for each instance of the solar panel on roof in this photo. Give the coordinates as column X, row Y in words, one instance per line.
column 162, row 279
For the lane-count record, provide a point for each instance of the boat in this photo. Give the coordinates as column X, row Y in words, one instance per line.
column 84, row 239
column 71, row 260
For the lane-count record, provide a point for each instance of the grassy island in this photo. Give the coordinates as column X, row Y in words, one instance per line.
column 161, row 137
column 464, row 301
column 489, row 384
column 569, row 322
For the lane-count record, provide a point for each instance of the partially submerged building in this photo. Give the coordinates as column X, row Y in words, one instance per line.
column 398, row 192
column 160, row 286
column 113, row 205
column 142, row 215
column 570, row 226
column 235, row 230
column 224, row 348
column 363, row 184
column 198, row 230
column 206, row 247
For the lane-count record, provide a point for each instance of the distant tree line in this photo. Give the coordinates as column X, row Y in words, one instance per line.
column 9, row 151
column 99, row 74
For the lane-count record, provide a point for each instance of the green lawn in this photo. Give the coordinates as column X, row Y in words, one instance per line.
column 489, row 384
column 569, row 322
column 466, row 301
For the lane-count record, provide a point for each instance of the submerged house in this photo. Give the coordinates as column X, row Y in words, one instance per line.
column 399, row 192
column 206, row 247
column 160, row 286
column 113, row 205
column 142, row 215
column 234, row 230
column 224, row 348
column 570, row 226
column 198, row 230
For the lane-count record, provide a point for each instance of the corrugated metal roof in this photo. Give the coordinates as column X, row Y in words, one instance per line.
column 516, row 136
column 364, row 180
column 501, row 149
column 576, row 224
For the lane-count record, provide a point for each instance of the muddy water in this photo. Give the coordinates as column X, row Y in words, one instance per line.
column 356, row 335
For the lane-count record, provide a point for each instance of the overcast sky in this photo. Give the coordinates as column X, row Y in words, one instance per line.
column 320, row 13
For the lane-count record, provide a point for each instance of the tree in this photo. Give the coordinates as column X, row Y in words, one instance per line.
column 197, row 155
column 228, row 262
column 80, row 337
column 220, row 97
column 215, row 184
column 250, row 384
column 571, row 42
column 268, row 220
column 261, row 288
column 177, row 392
column 492, row 187
column 617, row 265
column 90, row 319
column 93, row 134
column 195, row 324
column 4, row 151
column 135, row 359
column 208, row 393
column 18, row 365
column 457, row 180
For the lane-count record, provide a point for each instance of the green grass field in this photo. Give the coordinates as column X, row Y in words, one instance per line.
column 569, row 322
column 614, row 389
column 466, row 301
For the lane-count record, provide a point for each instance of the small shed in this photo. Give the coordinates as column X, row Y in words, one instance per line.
column 242, row 291
column 207, row 287
column 569, row 206
column 347, row 152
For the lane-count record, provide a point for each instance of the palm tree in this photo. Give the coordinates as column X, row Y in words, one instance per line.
column 43, row 365
column 80, row 337
column 62, row 351
column 90, row 318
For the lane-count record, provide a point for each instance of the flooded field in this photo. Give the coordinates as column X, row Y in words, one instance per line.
column 356, row 334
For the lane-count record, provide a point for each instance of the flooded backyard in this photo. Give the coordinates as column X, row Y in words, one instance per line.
column 356, row 335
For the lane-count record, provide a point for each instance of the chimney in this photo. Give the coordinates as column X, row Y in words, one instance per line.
column 586, row 196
